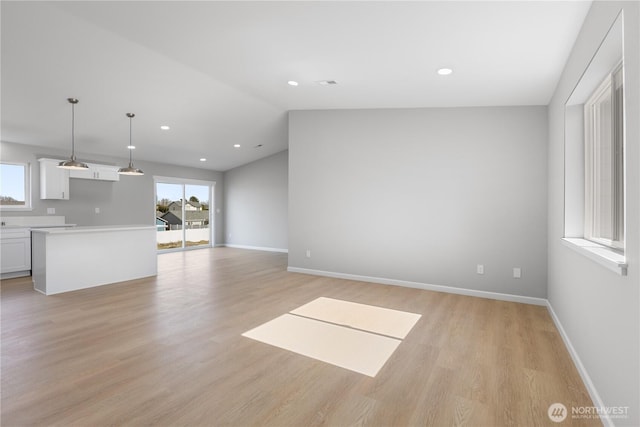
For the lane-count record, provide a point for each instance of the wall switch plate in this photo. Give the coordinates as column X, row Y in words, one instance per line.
column 97, row 210
column 308, row 253
column 517, row 273
column 480, row 269
column 51, row 211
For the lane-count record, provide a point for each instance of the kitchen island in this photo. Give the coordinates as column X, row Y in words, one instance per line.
column 75, row 258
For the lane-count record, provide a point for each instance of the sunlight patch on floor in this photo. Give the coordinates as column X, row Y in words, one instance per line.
column 353, row 336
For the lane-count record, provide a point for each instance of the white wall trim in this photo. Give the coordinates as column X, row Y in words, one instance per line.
column 255, row 248
column 601, row 254
column 428, row 287
column 586, row 379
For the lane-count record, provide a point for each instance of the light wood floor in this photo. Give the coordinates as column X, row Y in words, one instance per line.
column 169, row 351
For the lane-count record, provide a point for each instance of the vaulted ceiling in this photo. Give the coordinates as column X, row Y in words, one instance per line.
column 216, row 72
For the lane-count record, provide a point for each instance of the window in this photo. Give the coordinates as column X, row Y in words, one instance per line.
column 604, row 162
column 594, row 157
column 15, row 186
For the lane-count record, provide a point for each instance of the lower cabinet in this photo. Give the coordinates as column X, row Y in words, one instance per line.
column 15, row 252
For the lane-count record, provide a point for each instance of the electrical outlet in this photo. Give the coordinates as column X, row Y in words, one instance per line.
column 517, row 273
column 308, row 253
column 97, row 210
column 51, row 211
column 480, row 269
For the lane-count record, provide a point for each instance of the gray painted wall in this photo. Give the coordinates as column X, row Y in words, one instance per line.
column 422, row 195
column 256, row 203
column 598, row 309
column 128, row 201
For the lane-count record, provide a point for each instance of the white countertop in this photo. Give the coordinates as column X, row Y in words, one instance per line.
column 10, row 227
column 34, row 221
column 93, row 229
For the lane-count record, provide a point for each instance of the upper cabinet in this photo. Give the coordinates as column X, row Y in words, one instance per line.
column 54, row 181
column 97, row 172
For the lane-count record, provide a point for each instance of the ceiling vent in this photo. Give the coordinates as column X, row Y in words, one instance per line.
column 327, row 82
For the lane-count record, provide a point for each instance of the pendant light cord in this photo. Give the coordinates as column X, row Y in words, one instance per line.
column 130, row 170
column 73, row 131
column 130, row 141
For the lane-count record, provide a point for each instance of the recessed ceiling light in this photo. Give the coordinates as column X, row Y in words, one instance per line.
column 165, row 127
column 236, row 145
column 292, row 83
column 327, row 82
column 445, row 71
column 131, row 147
column 203, row 159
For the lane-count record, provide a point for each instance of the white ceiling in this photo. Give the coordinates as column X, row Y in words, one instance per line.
column 217, row 72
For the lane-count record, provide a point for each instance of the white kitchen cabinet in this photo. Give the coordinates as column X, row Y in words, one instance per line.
column 15, row 252
column 82, row 174
column 108, row 173
column 54, row 181
column 97, row 172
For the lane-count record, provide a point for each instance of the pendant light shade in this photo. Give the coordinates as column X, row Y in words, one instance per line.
column 72, row 163
column 130, row 170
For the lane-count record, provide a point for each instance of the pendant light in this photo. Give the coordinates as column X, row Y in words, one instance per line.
column 72, row 163
column 130, row 170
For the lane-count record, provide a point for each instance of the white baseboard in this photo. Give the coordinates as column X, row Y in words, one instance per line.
column 586, row 379
column 15, row 274
column 428, row 287
column 255, row 248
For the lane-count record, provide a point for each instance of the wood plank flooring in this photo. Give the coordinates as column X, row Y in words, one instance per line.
column 168, row 351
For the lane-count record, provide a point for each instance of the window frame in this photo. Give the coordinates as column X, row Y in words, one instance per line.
column 593, row 153
column 28, row 204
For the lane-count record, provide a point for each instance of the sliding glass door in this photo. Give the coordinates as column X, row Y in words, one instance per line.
column 183, row 213
column 169, row 216
column 196, row 209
